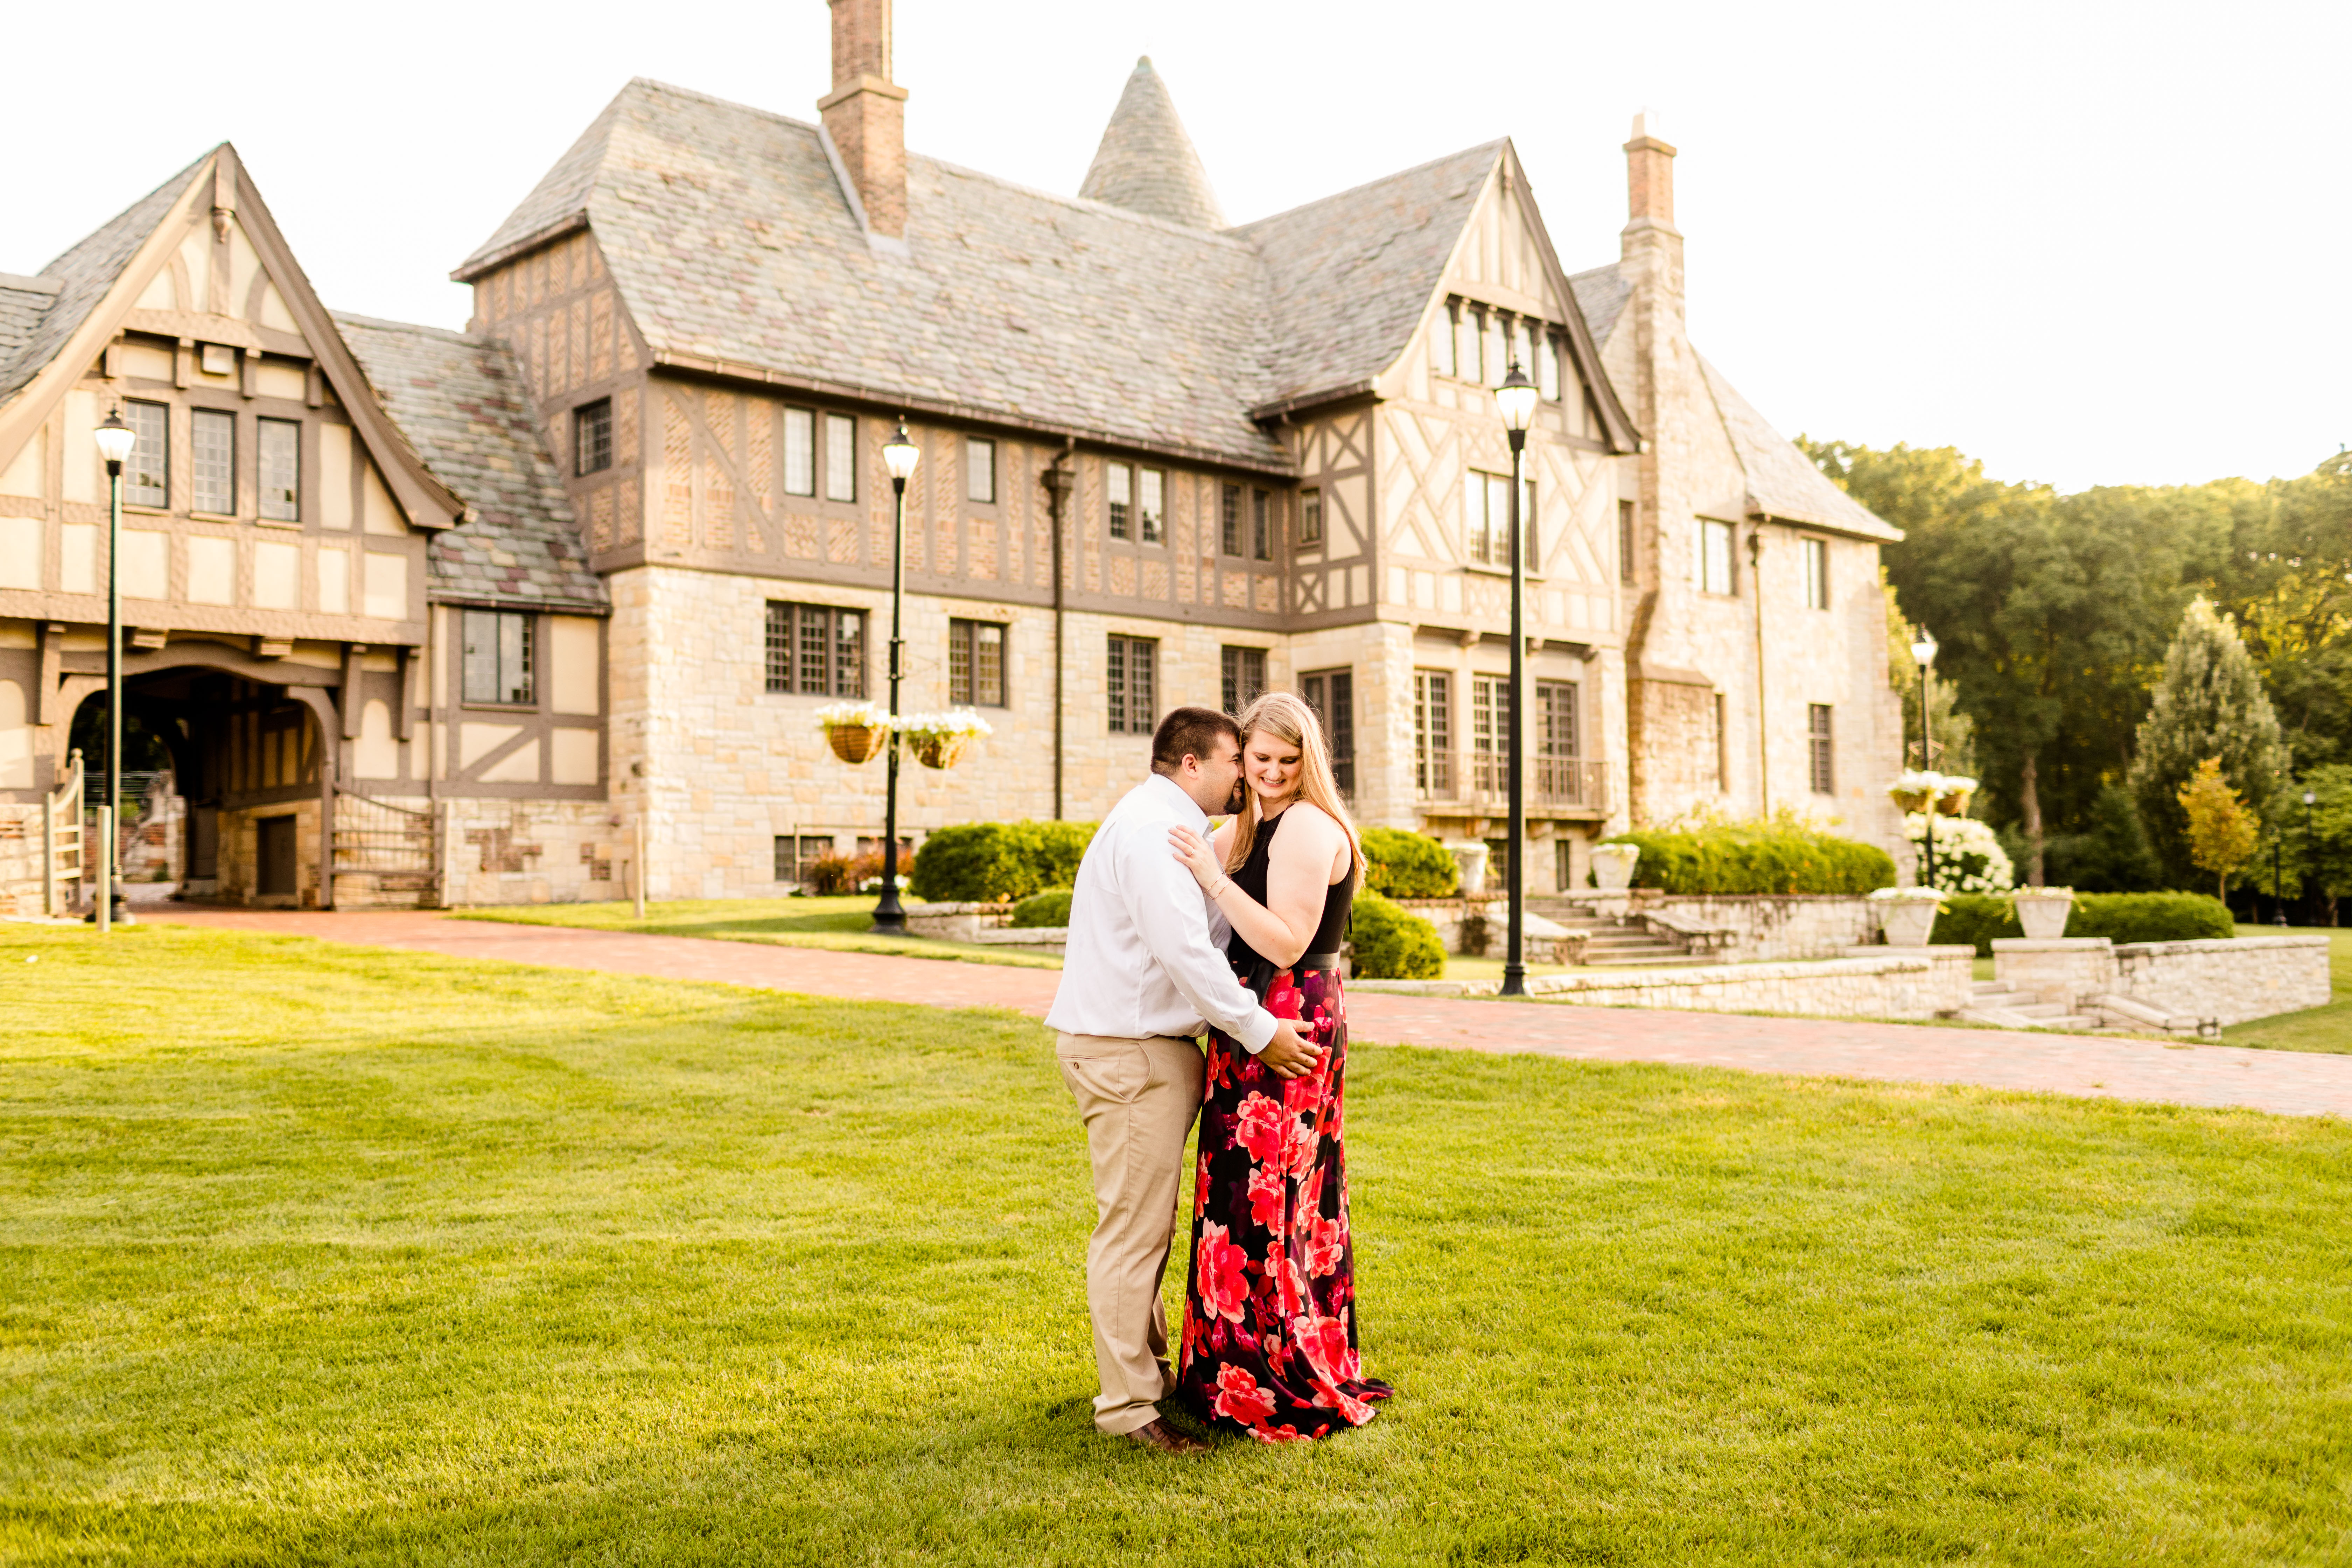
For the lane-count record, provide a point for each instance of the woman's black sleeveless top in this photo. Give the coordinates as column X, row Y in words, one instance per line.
column 1257, row 972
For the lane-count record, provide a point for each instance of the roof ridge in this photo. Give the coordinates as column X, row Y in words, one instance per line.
column 152, row 191
column 1493, row 146
column 451, row 334
column 1090, row 205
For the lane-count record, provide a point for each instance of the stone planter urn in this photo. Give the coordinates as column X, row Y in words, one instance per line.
column 1906, row 916
column 1612, row 866
column 1470, row 860
column 2043, row 911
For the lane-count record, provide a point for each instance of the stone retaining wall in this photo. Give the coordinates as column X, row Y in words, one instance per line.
column 1911, row 983
column 2229, row 978
column 1771, row 926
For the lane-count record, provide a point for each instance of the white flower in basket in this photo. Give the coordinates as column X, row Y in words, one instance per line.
column 1916, row 789
column 855, row 731
column 938, row 740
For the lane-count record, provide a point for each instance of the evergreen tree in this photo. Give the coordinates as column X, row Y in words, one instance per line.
column 2209, row 703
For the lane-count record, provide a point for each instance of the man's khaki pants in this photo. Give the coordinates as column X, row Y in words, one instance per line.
column 1138, row 1098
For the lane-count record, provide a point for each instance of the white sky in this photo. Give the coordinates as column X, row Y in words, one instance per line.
column 2088, row 244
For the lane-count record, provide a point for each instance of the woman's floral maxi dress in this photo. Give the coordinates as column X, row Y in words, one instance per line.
column 1269, row 1345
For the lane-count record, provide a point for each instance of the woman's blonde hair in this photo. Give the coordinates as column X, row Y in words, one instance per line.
column 1286, row 716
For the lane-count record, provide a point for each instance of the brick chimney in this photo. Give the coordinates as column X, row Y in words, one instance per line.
column 1650, row 246
column 866, row 114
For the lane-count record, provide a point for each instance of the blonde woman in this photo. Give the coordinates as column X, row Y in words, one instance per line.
column 1270, row 1345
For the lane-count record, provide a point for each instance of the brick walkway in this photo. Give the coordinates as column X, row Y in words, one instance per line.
column 2289, row 1083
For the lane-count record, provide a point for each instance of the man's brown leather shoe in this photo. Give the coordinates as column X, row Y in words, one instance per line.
column 1166, row 1438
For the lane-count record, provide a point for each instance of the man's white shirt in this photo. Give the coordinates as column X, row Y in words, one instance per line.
column 1145, row 954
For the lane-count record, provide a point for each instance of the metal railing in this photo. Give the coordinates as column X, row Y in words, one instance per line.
column 1482, row 779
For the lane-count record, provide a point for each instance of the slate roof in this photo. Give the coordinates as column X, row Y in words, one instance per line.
column 1781, row 480
column 1349, row 276
column 461, row 401
column 1601, row 294
column 30, row 334
column 732, row 246
column 1146, row 163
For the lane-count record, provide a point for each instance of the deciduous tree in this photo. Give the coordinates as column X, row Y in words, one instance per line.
column 2210, row 705
column 2220, row 829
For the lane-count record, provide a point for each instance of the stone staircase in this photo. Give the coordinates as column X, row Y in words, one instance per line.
column 1618, row 943
column 1992, row 1002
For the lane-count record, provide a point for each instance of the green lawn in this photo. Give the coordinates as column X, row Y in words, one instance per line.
column 837, row 924
column 324, row 1255
column 2328, row 1028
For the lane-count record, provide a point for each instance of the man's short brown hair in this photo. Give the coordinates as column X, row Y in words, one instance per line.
column 1190, row 732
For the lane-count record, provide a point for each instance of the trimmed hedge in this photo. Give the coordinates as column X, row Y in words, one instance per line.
column 991, row 862
column 1050, row 908
column 1401, row 865
column 1394, row 943
column 1757, row 859
column 1978, row 918
column 2151, row 916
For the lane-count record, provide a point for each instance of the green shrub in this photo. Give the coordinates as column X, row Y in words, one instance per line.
column 1401, row 865
column 1050, row 908
column 1756, row 858
column 1976, row 919
column 1394, row 943
column 2149, row 916
column 987, row 862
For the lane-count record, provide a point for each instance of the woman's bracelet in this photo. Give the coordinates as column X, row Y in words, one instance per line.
column 1219, row 891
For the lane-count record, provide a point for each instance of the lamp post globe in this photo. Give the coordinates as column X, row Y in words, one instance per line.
column 1516, row 400
column 115, row 442
column 899, row 457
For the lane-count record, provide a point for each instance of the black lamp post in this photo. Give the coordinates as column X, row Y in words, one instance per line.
column 1923, row 650
column 1516, row 400
column 2310, row 799
column 115, row 441
column 899, row 455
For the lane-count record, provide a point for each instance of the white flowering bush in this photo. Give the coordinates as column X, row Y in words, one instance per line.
column 853, row 716
column 1968, row 858
column 956, row 721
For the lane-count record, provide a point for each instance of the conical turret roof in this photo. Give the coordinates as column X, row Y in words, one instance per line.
column 1145, row 163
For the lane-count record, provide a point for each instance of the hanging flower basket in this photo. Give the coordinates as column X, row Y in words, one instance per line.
column 1954, row 800
column 1915, row 791
column 857, row 731
column 939, row 740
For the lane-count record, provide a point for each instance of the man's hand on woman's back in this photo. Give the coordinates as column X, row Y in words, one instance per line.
column 1287, row 1055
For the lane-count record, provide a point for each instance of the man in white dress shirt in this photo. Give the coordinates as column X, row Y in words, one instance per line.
column 1144, row 967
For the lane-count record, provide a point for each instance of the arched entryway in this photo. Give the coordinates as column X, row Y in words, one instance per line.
column 252, row 747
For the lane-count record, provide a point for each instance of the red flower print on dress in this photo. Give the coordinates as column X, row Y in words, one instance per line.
column 1282, row 999
column 1239, row 1398
column 1325, row 1340
column 1259, row 1128
column 1225, row 1280
column 1265, row 1190
column 1329, row 1243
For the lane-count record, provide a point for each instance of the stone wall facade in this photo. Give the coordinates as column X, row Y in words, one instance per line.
column 2233, row 979
column 1921, row 983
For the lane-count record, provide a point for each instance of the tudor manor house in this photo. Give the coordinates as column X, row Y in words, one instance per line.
column 425, row 616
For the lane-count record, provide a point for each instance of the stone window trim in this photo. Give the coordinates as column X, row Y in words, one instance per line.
column 1331, row 693
column 977, row 663
column 1131, row 684
column 1243, row 670
column 815, row 650
column 1718, row 558
column 1816, row 554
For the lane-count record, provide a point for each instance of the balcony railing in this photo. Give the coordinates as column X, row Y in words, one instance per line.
column 1483, row 778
